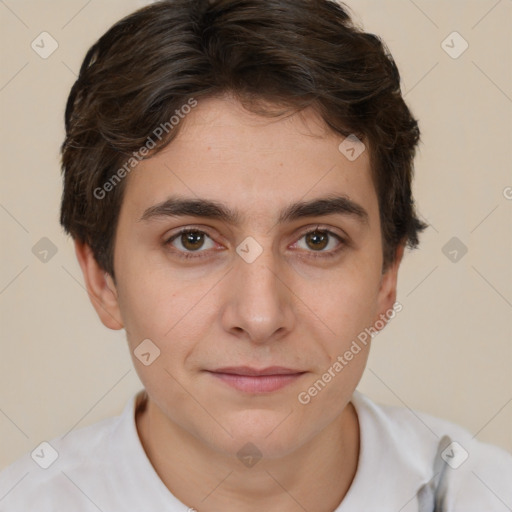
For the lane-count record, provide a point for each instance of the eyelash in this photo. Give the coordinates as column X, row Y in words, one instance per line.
column 319, row 254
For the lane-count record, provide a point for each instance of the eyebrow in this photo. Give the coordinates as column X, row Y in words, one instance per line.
column 177, row 207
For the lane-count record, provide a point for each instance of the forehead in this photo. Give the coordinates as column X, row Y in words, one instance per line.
column 255, row 164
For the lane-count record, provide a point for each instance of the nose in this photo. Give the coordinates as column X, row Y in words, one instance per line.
column 259, row 303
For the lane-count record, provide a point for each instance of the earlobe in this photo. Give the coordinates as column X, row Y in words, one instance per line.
column 100, row 287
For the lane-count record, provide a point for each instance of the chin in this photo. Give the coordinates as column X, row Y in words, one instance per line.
column 272, row 433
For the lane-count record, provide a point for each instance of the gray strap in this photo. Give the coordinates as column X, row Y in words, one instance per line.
column 432, row 495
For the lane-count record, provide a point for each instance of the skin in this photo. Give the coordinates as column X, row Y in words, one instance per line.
column 287, row 308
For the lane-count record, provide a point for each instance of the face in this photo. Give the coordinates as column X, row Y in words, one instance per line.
column 277, row 273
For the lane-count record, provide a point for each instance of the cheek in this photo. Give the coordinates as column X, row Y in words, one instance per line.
column 342, row 302
column 176, row 316
column 153, row 310
column 143, row 304
column 341, row 315
column 152, row 305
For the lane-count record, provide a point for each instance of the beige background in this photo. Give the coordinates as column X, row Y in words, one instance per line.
column 448, row 353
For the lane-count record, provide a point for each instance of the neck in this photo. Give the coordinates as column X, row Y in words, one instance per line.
column 315, row 476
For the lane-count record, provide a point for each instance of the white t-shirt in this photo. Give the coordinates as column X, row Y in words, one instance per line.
column 401, row 468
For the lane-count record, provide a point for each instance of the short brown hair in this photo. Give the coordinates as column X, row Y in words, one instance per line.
column 289, row 53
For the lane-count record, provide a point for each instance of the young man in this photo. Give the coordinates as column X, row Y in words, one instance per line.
column 237, row 180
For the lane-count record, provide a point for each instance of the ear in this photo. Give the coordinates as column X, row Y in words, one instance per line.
column 387, row 291
column 100, row 287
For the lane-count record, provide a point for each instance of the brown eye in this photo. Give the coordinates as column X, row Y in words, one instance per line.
column 192, row 240
column 321, row 242
column 317, row 240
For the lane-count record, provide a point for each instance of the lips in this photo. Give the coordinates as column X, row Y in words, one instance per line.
column 248, row 371
column 253, row 380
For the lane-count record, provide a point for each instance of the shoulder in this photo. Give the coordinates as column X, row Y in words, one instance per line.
column 58, row 472
column 454, row 468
